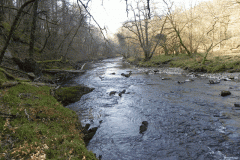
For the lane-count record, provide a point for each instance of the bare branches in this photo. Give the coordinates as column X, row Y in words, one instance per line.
column 85, row 7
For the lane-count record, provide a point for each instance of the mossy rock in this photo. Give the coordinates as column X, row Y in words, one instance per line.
column 73, row 94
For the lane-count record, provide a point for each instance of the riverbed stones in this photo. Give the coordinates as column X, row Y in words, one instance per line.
column 143, row 127
column 225, row 93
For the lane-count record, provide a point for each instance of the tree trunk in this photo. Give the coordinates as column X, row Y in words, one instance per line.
column 13, row 27
column 33, row 29
column 1, row 12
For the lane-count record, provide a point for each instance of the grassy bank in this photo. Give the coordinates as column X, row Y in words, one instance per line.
column 193, row 63
column 35, row 125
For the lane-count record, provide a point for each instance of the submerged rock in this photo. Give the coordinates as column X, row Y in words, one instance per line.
column 143, row 127
column 225, row 93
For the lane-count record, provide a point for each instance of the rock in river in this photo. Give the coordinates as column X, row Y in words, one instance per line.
column 237, row 104
column 225, row 93
column 189, row 80
column 166, row 78
column 143, row 127
column 88, row 134
column 213, row 82
column 180, row 82
column 123, row 91
column 112, row 93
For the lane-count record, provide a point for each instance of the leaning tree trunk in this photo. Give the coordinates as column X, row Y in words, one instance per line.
column 13, row 27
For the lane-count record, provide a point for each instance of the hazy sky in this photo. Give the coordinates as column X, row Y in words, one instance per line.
column 113, row 12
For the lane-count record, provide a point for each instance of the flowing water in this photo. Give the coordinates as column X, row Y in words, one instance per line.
column 185, row 120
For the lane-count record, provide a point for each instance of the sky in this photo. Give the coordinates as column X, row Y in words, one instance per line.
column 112, row 13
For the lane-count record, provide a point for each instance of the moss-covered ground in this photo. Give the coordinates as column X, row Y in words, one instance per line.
column 34, row 125
column 69, row 95
column 193, row 63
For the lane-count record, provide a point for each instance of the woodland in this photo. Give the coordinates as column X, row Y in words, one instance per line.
column 50, row 30
column 205, row 30
column 43, row 35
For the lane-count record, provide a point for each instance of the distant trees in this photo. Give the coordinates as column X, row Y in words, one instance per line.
column 201, row 28
column 142, row 31
column 51, row 29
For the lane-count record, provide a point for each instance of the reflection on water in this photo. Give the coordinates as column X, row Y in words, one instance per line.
column 185, row 121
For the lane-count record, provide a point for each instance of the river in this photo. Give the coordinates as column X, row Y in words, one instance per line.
column 188, row 120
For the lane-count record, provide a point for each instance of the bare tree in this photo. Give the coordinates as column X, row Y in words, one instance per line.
column 140, row 27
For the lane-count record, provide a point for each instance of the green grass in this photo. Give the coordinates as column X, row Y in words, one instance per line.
column 194, row 63
column 51, row 130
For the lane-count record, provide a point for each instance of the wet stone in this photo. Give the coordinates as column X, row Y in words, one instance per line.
column 189, row 80
column 225, row 93
column 143, row 127
column 112, row 93
column 166, row 78
column 180, row 82
column 236, row 104
column 213, row 82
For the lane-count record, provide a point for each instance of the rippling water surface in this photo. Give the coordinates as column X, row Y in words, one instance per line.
column 185, row 121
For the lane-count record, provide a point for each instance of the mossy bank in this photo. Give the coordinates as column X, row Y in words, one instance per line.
column 34, row 125
column 192, row 63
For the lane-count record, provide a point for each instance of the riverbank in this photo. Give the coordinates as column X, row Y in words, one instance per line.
column 34, row 122
column 192, row 63
column 35, row 125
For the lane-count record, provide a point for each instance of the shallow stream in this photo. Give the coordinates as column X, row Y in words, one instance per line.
column 185, row 120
